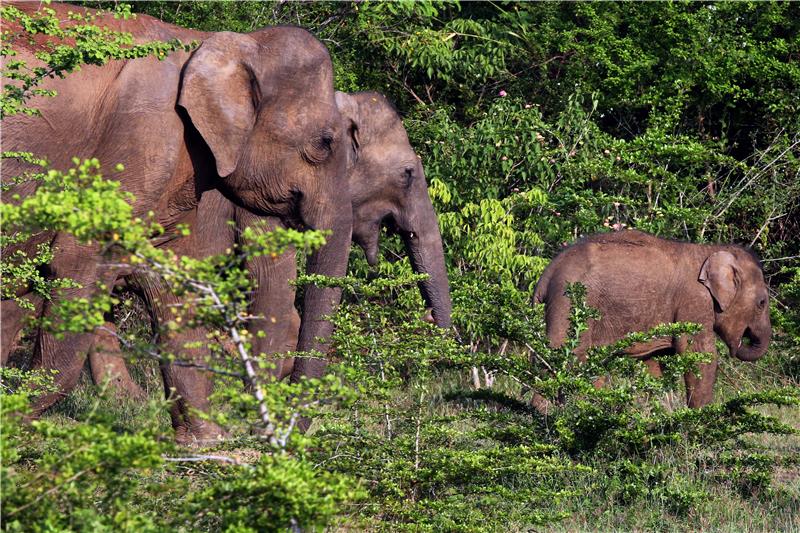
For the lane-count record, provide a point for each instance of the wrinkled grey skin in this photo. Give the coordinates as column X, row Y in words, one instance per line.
column 638, row 281
column 388, row 188
column 251, row 119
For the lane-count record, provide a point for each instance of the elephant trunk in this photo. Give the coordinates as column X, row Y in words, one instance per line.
column 424, row 248
column 320, row 302
column 755, row 347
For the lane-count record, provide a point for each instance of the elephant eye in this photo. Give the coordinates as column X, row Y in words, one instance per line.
column 321, row 147
column 762, row 302
column 325, row 142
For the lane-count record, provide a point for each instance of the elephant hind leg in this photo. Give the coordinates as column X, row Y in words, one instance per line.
column 108, row 365
column 66, row 355
column 653, row 367
column 12, row 321
column 557, row 314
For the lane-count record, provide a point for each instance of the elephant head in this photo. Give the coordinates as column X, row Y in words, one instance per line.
column 741, row 302
column 264, row 105
column 387, row 186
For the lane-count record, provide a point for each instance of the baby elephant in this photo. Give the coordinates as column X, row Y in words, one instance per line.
column 638, row 281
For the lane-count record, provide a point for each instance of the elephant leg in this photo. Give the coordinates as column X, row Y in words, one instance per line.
column 189, row 388
column 557, row 327
column 557, row 312
column 700, row 390
column 273, row 302
column 700, row 386
column 557, row 320
column 67, row 355
column 187, row 385
column 107, row 364
column 653, row 367
column 12, row 321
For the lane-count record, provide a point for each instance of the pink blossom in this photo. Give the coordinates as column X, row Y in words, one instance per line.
column 527, row 106
column 618, row 226
column 502, row 93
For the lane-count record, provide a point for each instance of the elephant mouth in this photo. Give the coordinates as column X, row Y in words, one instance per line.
column 749, row 339
column 751, row 346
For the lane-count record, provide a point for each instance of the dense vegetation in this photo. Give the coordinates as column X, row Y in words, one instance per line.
column 537, row 124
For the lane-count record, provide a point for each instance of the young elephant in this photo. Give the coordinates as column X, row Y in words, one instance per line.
column 638, row 281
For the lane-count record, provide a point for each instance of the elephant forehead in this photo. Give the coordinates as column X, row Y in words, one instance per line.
column 303, row 120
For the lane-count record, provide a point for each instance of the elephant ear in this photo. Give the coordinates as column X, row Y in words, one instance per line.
column 348, row 108
column 720, row 275
column 220, row 92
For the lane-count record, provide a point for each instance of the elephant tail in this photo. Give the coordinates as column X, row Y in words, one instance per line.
column 540, row 293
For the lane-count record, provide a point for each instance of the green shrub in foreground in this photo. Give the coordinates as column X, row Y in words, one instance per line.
column 435, row 454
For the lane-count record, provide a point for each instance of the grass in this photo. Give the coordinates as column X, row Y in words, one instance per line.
column 724, row 509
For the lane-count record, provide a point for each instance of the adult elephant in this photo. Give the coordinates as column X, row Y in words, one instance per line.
column 388, row 188
column 251, row 117
column 638, row 281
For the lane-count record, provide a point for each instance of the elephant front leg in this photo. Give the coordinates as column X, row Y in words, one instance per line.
column 276, row 330
column 700, row 385
column 188, row 386
column 187, row 382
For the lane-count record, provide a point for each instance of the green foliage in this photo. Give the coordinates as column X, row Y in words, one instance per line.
column 279, row 492
column 71, row 478
column 537, row 124
column 788, row 315
column 61, row 49
column 436, row 455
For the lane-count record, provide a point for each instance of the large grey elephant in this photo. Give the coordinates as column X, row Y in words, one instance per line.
column 638, row 281
column 249, row 118
column 388, row 187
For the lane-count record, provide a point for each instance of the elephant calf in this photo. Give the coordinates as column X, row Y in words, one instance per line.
column 638, row 281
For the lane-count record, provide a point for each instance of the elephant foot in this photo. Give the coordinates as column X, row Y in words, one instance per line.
column 541, row 404
column 200, row 433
